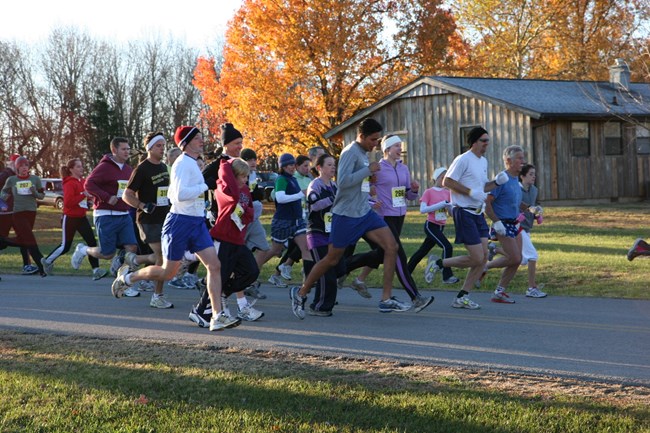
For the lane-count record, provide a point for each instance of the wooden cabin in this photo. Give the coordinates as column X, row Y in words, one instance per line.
column 590, row 141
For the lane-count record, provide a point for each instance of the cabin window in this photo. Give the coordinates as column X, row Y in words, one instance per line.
column 464, row 133
column 580, row 138
column 613, row 138
column 643, row 139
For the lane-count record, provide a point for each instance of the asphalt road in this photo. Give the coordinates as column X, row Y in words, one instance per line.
column 587, row 338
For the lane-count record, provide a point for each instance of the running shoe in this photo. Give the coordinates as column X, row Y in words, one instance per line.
column 534, row 292
column 190, row 279
column 319, row 313
column 465, row 302
column 285, row 271
column 117, row 262
column 78, row 256
column 431, row 268
column 130, row 292
column 160, row 301
column 30, row 269
column 277, row 281
column 119, row 285
column 224, row 305
column 223, row 321
column 451, row 280
column 501, row 296
column 361, row 288
column 297, row 302
column 478, row 282
column 492, row 251
column 393, row 304
column 254, row 292
column 420, row 303
column 47, row 266
column 99, row 273
column 203, row 320
column 146, row 285
column 129, row 259
column 640, row 247
column 249, row 314
column 341, row 280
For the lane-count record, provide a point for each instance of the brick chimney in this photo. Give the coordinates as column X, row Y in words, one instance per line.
column 619, row 74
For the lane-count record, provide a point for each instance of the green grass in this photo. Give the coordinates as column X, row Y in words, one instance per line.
column 582, row 251
column 66, row 384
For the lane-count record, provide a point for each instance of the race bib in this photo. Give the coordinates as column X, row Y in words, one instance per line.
column 199, row 204
column 161, row 196
column 84, row 203
column 398, row 194
column 365, row 185
column 24, row 187
column 441, row 215
column 121, row 186
column 236, row 217
column 328, row 222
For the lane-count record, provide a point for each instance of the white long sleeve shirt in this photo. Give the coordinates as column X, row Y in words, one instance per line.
column 186, row 187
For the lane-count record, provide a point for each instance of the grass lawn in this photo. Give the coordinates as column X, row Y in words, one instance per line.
column 581, row 251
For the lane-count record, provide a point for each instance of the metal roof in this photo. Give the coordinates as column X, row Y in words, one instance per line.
column 536, row 98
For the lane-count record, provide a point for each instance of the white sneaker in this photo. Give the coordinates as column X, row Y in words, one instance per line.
column 223, row 321
column 285, row 271
column 534, row 292
column 130, row 292
column 277, row 281
column 119, row 286
column 249, row 314
column 465, row 302
column 78, row 256
column 47, row 266
column 159, row 301
column 129, row 259
column 431, row 268
column 224, row 305
column 99, row 273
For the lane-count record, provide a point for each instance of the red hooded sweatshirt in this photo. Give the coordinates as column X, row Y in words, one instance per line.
column 228, row 195
column 106, row 180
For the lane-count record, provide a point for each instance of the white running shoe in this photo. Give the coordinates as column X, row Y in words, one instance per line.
column 223, row 321
column 285, row 271
column 465, row 302
column 277, row 281
column 249, row 314
column 160, row 301
column 534, row 292
column 78, row 256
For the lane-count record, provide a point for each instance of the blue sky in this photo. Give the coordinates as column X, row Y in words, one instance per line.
column 197, row 22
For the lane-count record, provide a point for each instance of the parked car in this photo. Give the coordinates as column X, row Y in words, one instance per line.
column 266, row 179
column 53, row 189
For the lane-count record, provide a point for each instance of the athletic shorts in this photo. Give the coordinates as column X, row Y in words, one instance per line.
column 528, row 251
column 283, row 230
column 348, row 230
column 512, row 230
column 150, row 233
column 114, row 231
column 182, row 233
column 256, row 237
column 470, row 228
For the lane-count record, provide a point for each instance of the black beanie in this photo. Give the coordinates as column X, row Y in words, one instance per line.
column 247, row 154
column 475, row 134
column 229, row 133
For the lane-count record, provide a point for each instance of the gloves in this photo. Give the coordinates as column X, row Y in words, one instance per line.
column 148, row 208
column 499, row 228
column 501, row 178
column 521, row 217
column 478, row 195
column 539, row 218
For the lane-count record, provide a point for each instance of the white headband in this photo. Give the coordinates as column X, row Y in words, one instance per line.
column 389, row 142
column 155, row 139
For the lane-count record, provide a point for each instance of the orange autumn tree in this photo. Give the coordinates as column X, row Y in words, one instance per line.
column 556, row 39
column 294, row 69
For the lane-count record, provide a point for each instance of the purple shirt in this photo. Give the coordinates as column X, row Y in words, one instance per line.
column 390, row 180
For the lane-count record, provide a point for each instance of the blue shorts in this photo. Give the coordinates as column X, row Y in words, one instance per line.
column 114, row 231
column 512, row 230
column 470, row 228
column 348, row 230
column 182, row 233
column 283, row 230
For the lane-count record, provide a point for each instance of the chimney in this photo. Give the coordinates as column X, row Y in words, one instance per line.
column 619, row 74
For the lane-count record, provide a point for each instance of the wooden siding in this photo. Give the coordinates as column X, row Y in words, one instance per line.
column 430, row 120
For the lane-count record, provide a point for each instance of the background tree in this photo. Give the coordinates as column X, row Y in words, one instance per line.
column 293, row 69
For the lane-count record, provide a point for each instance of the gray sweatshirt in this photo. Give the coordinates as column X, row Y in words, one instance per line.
column 353, row 168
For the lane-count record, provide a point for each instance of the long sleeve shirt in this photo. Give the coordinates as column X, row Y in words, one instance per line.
column 352, row 180
column 186, row 187
column 393, row 188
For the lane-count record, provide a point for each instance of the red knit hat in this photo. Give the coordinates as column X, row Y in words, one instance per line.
column 184, row 134
column 14, row 157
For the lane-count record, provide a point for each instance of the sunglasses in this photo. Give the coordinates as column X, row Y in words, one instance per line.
column 483, row 140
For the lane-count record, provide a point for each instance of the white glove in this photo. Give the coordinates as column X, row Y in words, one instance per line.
column 499, row 228
column 536, row 210
column 478, row 195
column 501, row 178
